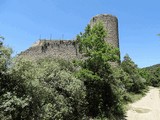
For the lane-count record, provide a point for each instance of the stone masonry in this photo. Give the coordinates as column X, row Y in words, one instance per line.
column 68, row 49
column 111, row 25
column 64, row 49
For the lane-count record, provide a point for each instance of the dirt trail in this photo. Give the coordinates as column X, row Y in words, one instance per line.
column 148, row 108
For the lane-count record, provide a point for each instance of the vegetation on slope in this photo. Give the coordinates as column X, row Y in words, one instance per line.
column 50, row 89
column 104, row 97
column 152, row 75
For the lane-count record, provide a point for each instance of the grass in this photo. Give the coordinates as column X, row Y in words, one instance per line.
column 137, row 96
column 133, row 97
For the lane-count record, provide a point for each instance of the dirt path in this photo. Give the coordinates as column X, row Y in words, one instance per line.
column 148, row 108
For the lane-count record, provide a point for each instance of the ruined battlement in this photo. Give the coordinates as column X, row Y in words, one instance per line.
column 65, row 49
column 68, row 49
column 41, row 42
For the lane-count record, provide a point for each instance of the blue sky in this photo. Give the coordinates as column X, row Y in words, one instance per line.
column 22, row 22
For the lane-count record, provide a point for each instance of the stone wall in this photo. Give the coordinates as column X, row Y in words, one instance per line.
column 68, row 49
column 110, row 23
column 65, row 49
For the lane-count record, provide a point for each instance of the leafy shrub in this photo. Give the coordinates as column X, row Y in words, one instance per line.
column 136, row 83
column 102, row 92
column 42, row 90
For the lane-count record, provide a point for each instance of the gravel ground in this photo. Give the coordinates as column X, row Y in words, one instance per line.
column 148, row 108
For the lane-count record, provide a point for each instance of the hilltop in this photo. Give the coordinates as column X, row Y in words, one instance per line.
column 150, row 68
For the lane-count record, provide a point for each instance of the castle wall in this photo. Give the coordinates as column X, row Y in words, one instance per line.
column 111, row 25
column 68, row 49
column 65, row 49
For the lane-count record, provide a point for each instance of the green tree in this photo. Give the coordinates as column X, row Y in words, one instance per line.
column 43, row 90
column 135, row 82
column 146, row 75
column 5, row 54
column 103, row 95
column 152, row 74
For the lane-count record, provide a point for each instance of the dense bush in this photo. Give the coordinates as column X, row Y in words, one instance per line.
column 102, row 89
column 95, row 87
column 44, row 90
column 152, row 74
column 134, row 83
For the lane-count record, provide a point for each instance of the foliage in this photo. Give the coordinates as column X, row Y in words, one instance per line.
column 43, row 90
column 146, row 75
column 4, row 56
column 135, row 83
column 103, row 93
column 124, row 82
column 152, row 74
column 96, row 87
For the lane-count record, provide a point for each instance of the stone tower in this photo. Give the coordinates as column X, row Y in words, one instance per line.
column 111, row 25
column 68, row 49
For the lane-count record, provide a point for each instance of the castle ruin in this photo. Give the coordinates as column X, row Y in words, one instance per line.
column 68, row 49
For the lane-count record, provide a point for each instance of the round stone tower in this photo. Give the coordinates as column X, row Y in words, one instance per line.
column 111, row 25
